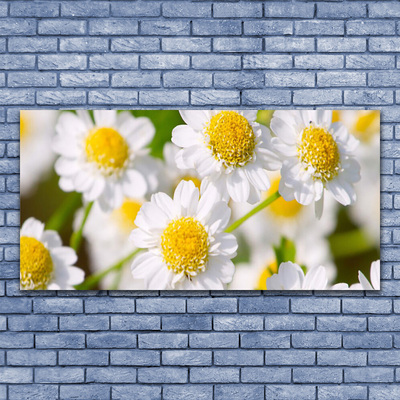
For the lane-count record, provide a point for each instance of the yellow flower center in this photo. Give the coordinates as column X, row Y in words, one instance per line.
column 125, row 215
column 24, row 125
column 267, row 272
column 319, row 151
column 184, row 246
column 366, row 125
column 36, row 264
column 335, row 116
column 107, row 149
column 281, row 207
column 231, row 138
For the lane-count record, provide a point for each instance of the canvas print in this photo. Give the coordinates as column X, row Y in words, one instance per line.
column 200, row 200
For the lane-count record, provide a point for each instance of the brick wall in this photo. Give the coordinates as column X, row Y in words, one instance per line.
column 237, row 345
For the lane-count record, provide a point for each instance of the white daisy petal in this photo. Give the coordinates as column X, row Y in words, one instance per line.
column 197, row 119
column 238, row 186
column 186, row 197
column 184, row 136
column 105, row 118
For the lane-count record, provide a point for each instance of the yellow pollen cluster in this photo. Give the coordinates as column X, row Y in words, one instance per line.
column 319, row 150
column 36, row 264
column 366, row 125
column 281, row 207
column 231, row 138
column 267, row 272
column 184, row 246
column 125, row 215
column 107, row 149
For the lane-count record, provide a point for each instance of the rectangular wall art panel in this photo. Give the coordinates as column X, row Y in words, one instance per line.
column 200, row 200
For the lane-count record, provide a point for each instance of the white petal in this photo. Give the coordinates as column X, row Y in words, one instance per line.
column 184, row 136
column 238, row 186
column 142, row 239
column 145, row 264
column 66, row 167
column 150, row 217
column 339, row 192
column 257, row 176
column 285, row 132
column 66, row 185
column 138, row 131
column 226, row 244
column 96, row 190
column 376, row 274
column 186, row 197
column 52, row 239
column 364, row 281
column 315, row 279
column 134, row 184
column 221, row 268
column 65, row 254
column 207, row 201
column 219, row 217
column 319, row 207
column 105, row 118
column 165, row 203
column 32, row 228
column 197, row 119
column 75, row 275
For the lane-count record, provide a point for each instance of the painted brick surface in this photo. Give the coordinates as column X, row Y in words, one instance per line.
column 150, row 54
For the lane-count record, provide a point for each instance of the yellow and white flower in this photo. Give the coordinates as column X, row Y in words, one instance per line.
column 229, row 150
column 37, row 129
column 290, row 276
column 45, row 262
column 187, row 246
column 363, row 283
column 105, row 160
column 317, row 155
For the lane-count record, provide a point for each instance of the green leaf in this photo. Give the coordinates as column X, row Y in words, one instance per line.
column 286, row 251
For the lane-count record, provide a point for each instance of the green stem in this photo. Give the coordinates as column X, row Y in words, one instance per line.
column 93, row 280
column 64, row 212
column 76, row 237
column 255, row 210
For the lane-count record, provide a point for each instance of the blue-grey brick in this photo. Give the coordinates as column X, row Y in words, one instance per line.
column 289, row 79
column 165, row 27
column 193, row 45
column 136, row 79
column 387, row 44
column 267, row 61
column 316, row 97
column 237, row 45
column 386, row 237
column 163, row 340
column 135, row 9
column 368, row 374
column 384, row 357
column 61, row 61
column 111, row 340
column 34, row 9
column 216, row 27
column 320, row 340
column 87, row 45
column 32, row 323
column 3, row 323
column 17, row 26
column 186, row 357
column 59, row 375
column 387, row 323
column 262, row 96
column 305, row 305
column 162, row 375
column 113, row 61
column 9, row 201
column 14, row 340
column 341, row 323
column 382, row 79
column 373, row 28
column 17, row 61
column 366, row 306
column 85, row 392
column 265, row 375
column 237, row 10
column 215, row 340
column 33, row 392
column 289, row 357
column 3, row 9
column 380, row 392
column 13, row 150
column 153, row 98
column 109, row 96
column 288, row 45
column 240, row 323
column 345, row 10
column 318, row 27
column 317, row 375
column 164, row 61
column 15, row 306
column 179, row 79
column 342, row 78
column 263, row 305
column 290, row 392
column 34, row 79
column 384, row 10
column 9, row 270
column 135, row 357
column 214, row 375
column 57, row 306
column 265, row 340
column 215, row 62
column 32, row 45
column 9, row 235
column 342, row 358
column 135, row 322
column 180, row 9
column 268, row 27
column 84, row 323
column 341, row 45
column 16, row 375
column 111, row 375
column 187, row 323
column 288, row 10
column 319, row 61
column 136, row 392
column 163, row 306
column 83, row 357
column 367, row 341
column 85, row 9
column 61, row 27
column 368, row 97
column 239, row 357
column 135, row 44
column 111, row 26
column 344, row 392
column 63, row 97
column 370, row 61
column 84, row 79
column 239, row 80
column 212, row 305
column 238, row 392
column 109, row 306
column 31, row 357
column 184, row 392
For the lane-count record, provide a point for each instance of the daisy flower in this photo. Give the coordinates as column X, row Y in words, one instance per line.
column 105, row 160
column 291, row 277
column 229, row 150
column 45, row 262
column 317, row 155
column 187, row 246
column 36, row 133
column 107, row 236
